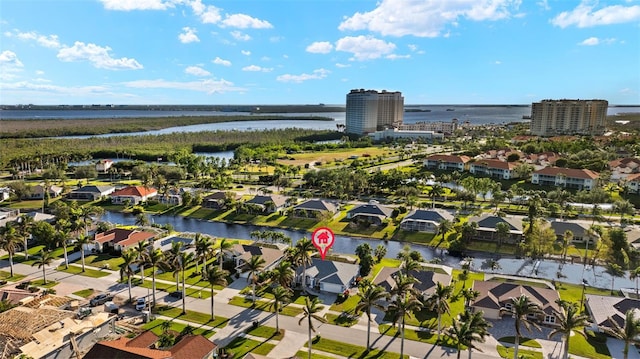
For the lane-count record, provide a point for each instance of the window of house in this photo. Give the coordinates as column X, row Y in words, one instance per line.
column 549, row 318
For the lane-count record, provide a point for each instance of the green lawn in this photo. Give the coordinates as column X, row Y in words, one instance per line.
column 350, row 350
column 340, row 320
column 573, row 292
column 525, row 342
column 156, row 327
column 103, row 261
column 239, row 347
column 305, row 354
column 264, row 331
column 595, row 346
column 505, row 352
column 40, row 283
column 195, row 292
column 264, row 305
column 191, row 316
column 385, row 262
column 421, row 336
column 88, row 272
column 5, row 275
column 84, row 293
column 348, row 305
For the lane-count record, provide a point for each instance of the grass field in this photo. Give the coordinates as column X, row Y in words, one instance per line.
column 300, row 159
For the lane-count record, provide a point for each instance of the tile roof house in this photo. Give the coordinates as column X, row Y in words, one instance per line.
column 269, row 204
column 494, row 169
column 119, row 239
column 601, row 308
column 543, row 159
column 143, row 347
column 625, row 165
column 495, row 295
column 486, row 229
column 447, row 162
column 90, row 193
column 581, row 179
column 426, row 280
column 219, row 200
column 372, row 213
column 242, row 253
column 329, row 276
column 632, row 183
column 314, row 208
column 133, row 195
column 425, row 220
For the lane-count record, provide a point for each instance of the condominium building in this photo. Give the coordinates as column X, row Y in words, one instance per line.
column 568, row 117
column 439, row 126
column 370, row 110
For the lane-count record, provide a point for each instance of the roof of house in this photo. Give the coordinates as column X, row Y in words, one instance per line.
column 220, row 195
column 568, row 172
column 94, row 189
column 332, row 271
column 449, row 158
column 488, row 222
column 496, row 164
column 317, row 205
column 246, row 251
column 139, row 191
column 494, row 295
column 604, row 307
column 192, row 346
column 625, row 162
column 426, row 279
column 189, row 347
column 633, row 177
column 277, row 200
column 373, row 209
column 436, row 215
column 576, row 227
column 52, row 188
column 123, row 237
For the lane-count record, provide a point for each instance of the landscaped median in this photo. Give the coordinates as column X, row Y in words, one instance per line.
column 264, row 305
column 350, row 350
column 88, row 271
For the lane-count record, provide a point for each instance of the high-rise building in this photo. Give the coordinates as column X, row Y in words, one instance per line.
column 370, row 110
column 568, row 117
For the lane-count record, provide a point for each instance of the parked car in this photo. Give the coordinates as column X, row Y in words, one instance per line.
column 100, row 299
column 141, row 303
column 176, row 294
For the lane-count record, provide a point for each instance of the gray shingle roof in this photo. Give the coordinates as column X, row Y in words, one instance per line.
column 317, row 205
column 371, row 209
column 429, row 215
column 332, row 272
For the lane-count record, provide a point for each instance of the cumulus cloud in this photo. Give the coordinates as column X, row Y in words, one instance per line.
column 243, row 21
column 197, row 71
column 365, row 47
column 320, row 47
column 208, row 14
column 316, row 75
column 219, row 61
column 209, row 86
column 49, row 41
column 246, row 52
column 10, row 64
column 592, row 41
column 188, row 35
column 256, row 68
column 426, row 18
column 98, row 56
column 585, row 16
column 339, row 65
column 240, row 36
column 128, row 5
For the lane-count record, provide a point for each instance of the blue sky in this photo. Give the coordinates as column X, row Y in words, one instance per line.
column 315, row 51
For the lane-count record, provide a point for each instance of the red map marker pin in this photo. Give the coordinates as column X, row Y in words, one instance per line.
column 323, row 238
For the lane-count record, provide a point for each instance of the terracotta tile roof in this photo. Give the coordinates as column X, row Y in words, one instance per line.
column 123, row 237
column 118, row 349
column 143, row 340
column 192, row 347
column 625, row 162
column 139, row 191
column 568, row 172
column 496, row 164
column 633, row 178
column 449, row 158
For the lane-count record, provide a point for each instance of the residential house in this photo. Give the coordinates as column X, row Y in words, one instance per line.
column 8, row 214
column 372, row 213
column 242, row 253
column 133, row 195
column 580, row 230
column 500, row 155
column 540, row 160
column 314, row 208
column 496, row 295
column 426, row 280
column 329, row 276
column 621, row 168
column 118, row 239
column 601, row 308
column 90, row 193
column 103, row 166
column 144, row 346
column 219, row 200
column 486, row 230
column 39, row 216
column 632, row 183
column 447, row 162
column 5, row 193
column 633, row 236
column 425, row 220
column 37, row 191
column 494, row 169
column 581, row 179
column 268, row 204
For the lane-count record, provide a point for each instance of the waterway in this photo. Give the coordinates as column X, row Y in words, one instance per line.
column 546, row 269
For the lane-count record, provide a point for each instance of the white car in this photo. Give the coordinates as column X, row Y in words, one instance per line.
column 141, row 303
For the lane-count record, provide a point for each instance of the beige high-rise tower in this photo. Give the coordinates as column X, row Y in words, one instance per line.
column 568, row 117
column 370, row 110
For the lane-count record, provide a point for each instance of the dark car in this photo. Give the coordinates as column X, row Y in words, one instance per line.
column 100, row 299
column 176, row 294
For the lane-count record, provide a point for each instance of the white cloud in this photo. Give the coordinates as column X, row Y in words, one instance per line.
column 246, row 52
column 316, row 75
column 128, row 5
column 188, row 35
column 592, row 41
column 50, row 41
column 10, row 64
column 208, row 14
column 219, row 61
column 365, row 47
column 320, row 47
column 38, row 89
column 544, row 4
column 397, row 57
column 585, row 16
column 98, row 56
column 39, row 72
column 208, row 86
column 339, row 65
column 238, row 35
column 426, row 18
column 242, row 21
column 197, row 71
column 497, row 62
column 256, row 68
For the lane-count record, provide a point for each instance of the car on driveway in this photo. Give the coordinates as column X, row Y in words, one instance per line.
column 141, row 303
column 100, row 299
column 176, row 294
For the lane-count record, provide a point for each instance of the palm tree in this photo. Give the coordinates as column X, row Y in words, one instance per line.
column 172, row 258
column 627, row 333
column 311, row 307
column 214, row 276
column 154, row 258
column 404, row 304
column 467, row 328
column 614, row 270
column 303, row 257
column 140, row 249
column 61, row 237
column 444, row 227
column 438, row 302
column 569, row 320
column 185, row 260
column 9, row 242
column 80, row 243
column 567, row 238
column 25, row 225
column 42, row 262
column 281, row 296
column 129, row 258
column 635, row 274
column 86, row 214
column 225, row 247
column 283, row 274
column 521, row 308
column 204, row 249
column 502, row 232
column 253, row 268
column 370, row 297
